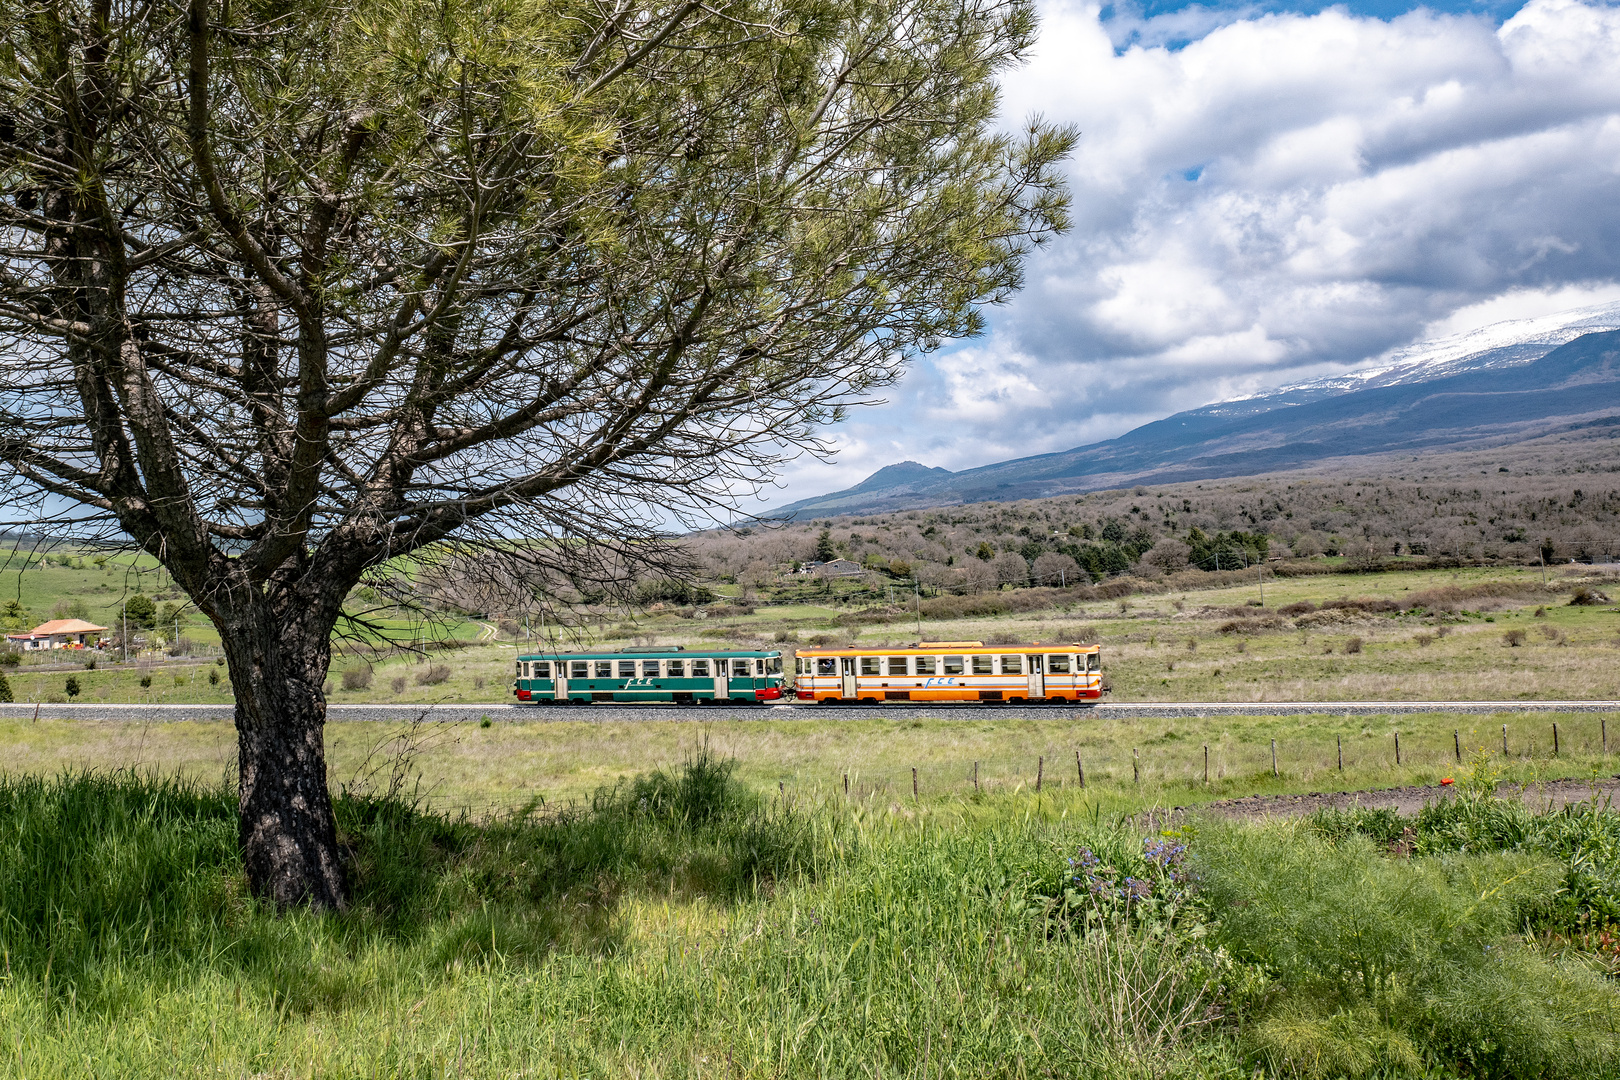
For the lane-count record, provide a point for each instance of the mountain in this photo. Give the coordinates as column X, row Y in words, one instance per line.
column 1496, row 386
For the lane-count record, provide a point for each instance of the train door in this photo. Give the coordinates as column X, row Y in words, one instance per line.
column 846, row 667
column 1037, row 675
column 559, row 684
column 722, row 680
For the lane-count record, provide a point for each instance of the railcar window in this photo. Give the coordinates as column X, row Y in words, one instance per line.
column 700, row 669
column 604, row 669
column 1012, row 664
column 579, row 669
column 759, row 666
column 649, row 668
column 984, row 665
column 953, row 665
column 1093, row 661
column 925, row 665
column 627, row 669
column 677, row 668
column 739, row 669
column 542, row 669
column 826, row 665
column 869, row 664
column 520, row 669
column 774, row 666
column 897, row 665
column 1057, row 664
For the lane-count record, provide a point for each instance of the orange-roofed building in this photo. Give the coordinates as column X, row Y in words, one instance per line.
column 58, row 634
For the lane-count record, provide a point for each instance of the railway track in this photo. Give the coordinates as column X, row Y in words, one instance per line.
column 505, row 712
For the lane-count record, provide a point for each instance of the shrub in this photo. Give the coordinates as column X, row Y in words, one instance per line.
column 5, row 690
column 213, row 677
column 433, row 675
column 1378, row 964
column 398, row 684
column 1585, row 596
column 72, row 686
column 1514, row 638
column 10, row 658
column 146, row 682
column 1353, row 646
column 179, row 680
column 90, row 664
column 357, row 678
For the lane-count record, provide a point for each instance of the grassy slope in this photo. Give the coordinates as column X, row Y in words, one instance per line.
column 1146, row 638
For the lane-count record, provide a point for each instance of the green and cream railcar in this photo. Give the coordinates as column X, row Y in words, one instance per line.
column 650, row 675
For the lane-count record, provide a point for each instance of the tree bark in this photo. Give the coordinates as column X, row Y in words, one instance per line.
column 287, row 832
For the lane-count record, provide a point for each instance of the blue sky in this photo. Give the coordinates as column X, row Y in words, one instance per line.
column 1267, row 193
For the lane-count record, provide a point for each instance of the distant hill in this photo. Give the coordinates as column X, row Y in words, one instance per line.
column 1525, row 380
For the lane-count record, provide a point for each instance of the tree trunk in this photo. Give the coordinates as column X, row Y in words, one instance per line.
column 287, row 832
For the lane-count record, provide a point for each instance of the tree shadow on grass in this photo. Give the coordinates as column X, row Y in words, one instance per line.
column 114, row 879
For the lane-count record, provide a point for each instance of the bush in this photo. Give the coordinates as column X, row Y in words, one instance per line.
column 5, row 690
column 1585, row 596
column 1353, row 646
column 146, row 682
column 357, row 678
column 72, row 687
column 1383, row 965
column 90, row 664
column 1514, row 638
column 397, row 684
column 10, row 658
column 433, row 675
column 213, row 677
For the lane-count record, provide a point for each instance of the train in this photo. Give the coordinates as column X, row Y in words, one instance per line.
column 650, row 675
column 926, row 671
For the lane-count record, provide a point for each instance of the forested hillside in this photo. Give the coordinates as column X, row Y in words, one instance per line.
column 1558, row 500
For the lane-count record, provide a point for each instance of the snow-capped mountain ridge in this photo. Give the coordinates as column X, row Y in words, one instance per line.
column 1498, row 345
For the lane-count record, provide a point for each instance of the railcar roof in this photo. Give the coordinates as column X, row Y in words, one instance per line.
column 652, row 654
column 954, row 647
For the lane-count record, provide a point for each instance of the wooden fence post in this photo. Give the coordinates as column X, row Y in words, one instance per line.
column 846, row 785
column 1397, row 748
column 1504, row 740
column 1136, row 767
column 1555, row 739
column 1080, row 768
column 1206, row 763
column 1339, row 740
column 975, row 777
column 1040, row 772
column 1273, row 757
column 1456, row 744
column 914, row 783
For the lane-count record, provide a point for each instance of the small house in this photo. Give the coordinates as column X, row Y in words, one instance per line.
column 837, row 568
column 58, row 634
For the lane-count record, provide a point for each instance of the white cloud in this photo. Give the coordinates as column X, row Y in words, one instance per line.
column 1272, row 197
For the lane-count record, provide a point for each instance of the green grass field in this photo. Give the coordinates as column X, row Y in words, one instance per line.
column 1173, row 646
column 602, row 898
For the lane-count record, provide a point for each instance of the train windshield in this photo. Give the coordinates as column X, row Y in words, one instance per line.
column 774, row 665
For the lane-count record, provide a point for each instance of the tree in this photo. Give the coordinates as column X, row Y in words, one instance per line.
column 140, row 612
column 824, row 547
column 290, row 291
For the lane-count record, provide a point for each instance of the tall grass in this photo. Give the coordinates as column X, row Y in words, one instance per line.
column 675, row 925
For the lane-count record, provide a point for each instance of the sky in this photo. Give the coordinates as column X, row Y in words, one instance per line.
column 1268, row 193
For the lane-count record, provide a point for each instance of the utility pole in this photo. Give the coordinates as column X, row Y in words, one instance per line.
column 1260, row 572
column 916, row 589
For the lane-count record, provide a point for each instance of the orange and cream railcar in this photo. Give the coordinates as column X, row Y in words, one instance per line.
column 951, row 671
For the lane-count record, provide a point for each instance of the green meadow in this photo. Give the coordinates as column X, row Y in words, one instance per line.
column 850, row 893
